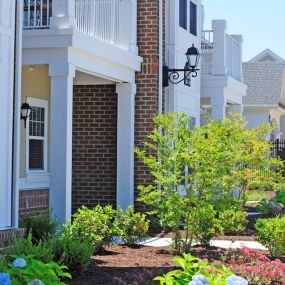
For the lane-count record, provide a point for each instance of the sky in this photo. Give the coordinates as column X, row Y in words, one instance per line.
column 260, row 22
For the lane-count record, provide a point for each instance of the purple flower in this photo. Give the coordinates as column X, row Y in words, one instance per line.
column 36, row 282
column 5, row 279
column 236, row 280
column 20, row 263
column 199, row 280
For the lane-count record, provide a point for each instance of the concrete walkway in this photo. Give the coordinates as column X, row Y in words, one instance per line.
column 226, row 244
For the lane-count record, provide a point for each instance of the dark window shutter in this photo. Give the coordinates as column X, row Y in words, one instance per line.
column 36, row 154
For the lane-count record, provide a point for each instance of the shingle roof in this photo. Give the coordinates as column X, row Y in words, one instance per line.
column 264, row 82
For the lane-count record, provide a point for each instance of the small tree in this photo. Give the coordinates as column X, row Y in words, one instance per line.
column 195, row 171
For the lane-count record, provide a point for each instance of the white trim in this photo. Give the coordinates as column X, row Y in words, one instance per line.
column 35, row 181
column 265, row 53
column 35, row 102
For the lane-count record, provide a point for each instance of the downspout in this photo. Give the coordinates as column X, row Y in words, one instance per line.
column 160, row 60
column 17, row 107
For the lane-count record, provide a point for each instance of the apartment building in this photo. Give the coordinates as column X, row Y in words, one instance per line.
column 91, row 72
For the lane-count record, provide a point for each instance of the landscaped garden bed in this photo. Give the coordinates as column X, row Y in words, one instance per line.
column 199, row 211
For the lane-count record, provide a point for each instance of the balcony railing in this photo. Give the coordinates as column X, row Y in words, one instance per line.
column 111, row 21
column 233, row 54
column 37, row 14
column 106, row 20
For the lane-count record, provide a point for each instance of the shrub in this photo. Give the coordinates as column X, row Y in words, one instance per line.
column 271, row 233
column 256, row 267
column 265, row 207
column 73, row 253
column 204, row 224
column 24, row 246
column 280, row 195
column 133, row 226
column 233, row 221
column 191, row 267
column 96, row 226
column 27, row 270
column 42, row 226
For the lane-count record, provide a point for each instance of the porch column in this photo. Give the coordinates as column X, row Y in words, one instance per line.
column 236, row 109
column 62, row 75
column 125, row 144
column 63, row 14
column 219, row 62
column 218, row 108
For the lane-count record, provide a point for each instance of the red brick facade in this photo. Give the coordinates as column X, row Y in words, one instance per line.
column 33, row 201
column 147, row 80
column 94, row 165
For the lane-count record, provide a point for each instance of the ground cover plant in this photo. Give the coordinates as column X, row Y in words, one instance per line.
column 200, row 168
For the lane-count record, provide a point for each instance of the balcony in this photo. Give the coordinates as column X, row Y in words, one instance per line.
column 111, row 21
column 221, row 54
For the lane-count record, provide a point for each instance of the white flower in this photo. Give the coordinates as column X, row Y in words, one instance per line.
column 199, row 280
column 236, row 280
column 36, row 282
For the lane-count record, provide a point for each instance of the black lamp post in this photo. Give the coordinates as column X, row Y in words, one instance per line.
column 25, row 112
column 190, row 70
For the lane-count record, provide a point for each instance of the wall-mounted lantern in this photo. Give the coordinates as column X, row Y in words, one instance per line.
column 190, row 70
column 25, row 112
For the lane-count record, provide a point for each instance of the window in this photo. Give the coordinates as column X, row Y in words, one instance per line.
column 188, row 21
column 36, row 142
column 193, row 18
column 183, row 14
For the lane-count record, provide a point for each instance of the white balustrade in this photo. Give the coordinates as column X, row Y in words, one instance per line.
column 106, row 20
column 233, row 54
column 111, row 21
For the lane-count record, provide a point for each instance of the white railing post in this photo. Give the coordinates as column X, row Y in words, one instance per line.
column 63, row 14
column 219, row 63
column 238, row 56
column 133, row 41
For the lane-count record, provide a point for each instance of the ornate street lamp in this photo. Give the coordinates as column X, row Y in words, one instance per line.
column 190, row 70
column 25, row 112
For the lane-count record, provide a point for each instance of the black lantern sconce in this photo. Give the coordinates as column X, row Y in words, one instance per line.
column 190, row 70
column 25, row 112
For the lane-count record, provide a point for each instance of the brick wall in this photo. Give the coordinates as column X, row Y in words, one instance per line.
column 94, row 146
column 147, row 81
column 33, row 202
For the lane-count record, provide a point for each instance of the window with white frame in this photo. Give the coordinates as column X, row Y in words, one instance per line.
column 36, row 136
column 188, row 16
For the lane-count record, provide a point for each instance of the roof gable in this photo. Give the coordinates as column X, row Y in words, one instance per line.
column 267, row 55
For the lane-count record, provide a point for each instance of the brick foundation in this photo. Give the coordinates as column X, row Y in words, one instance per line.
column 94, row 164
column 7, row 235
column 147, row 82
column 33, row 202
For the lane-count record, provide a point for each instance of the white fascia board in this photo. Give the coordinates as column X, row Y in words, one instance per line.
column 108, row 52
column 259, row 106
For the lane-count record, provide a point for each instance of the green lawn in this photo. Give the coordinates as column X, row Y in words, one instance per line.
column 257, row 195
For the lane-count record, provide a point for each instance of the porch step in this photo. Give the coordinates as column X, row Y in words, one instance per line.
column 7, row 235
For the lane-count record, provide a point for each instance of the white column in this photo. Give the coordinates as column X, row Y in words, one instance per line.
column 219, row 62
column 218, row 108
column 236, row 109
column 62, row 75
column 63, row 14
column 125, row 144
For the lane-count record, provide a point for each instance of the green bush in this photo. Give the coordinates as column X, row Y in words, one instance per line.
column 261, row 185
column 42, row 226
column 25, row 247
column 73, row 253
column 96, row 226
column 133, row 226
column 192, row 266
column 280, row 195
column 27, row 269
column 271, row 233
column 264, row 207
column 204, row 224
column 233, row 221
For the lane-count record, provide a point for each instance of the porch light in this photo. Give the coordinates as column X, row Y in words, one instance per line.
column 190, row 69
column 25, row 112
